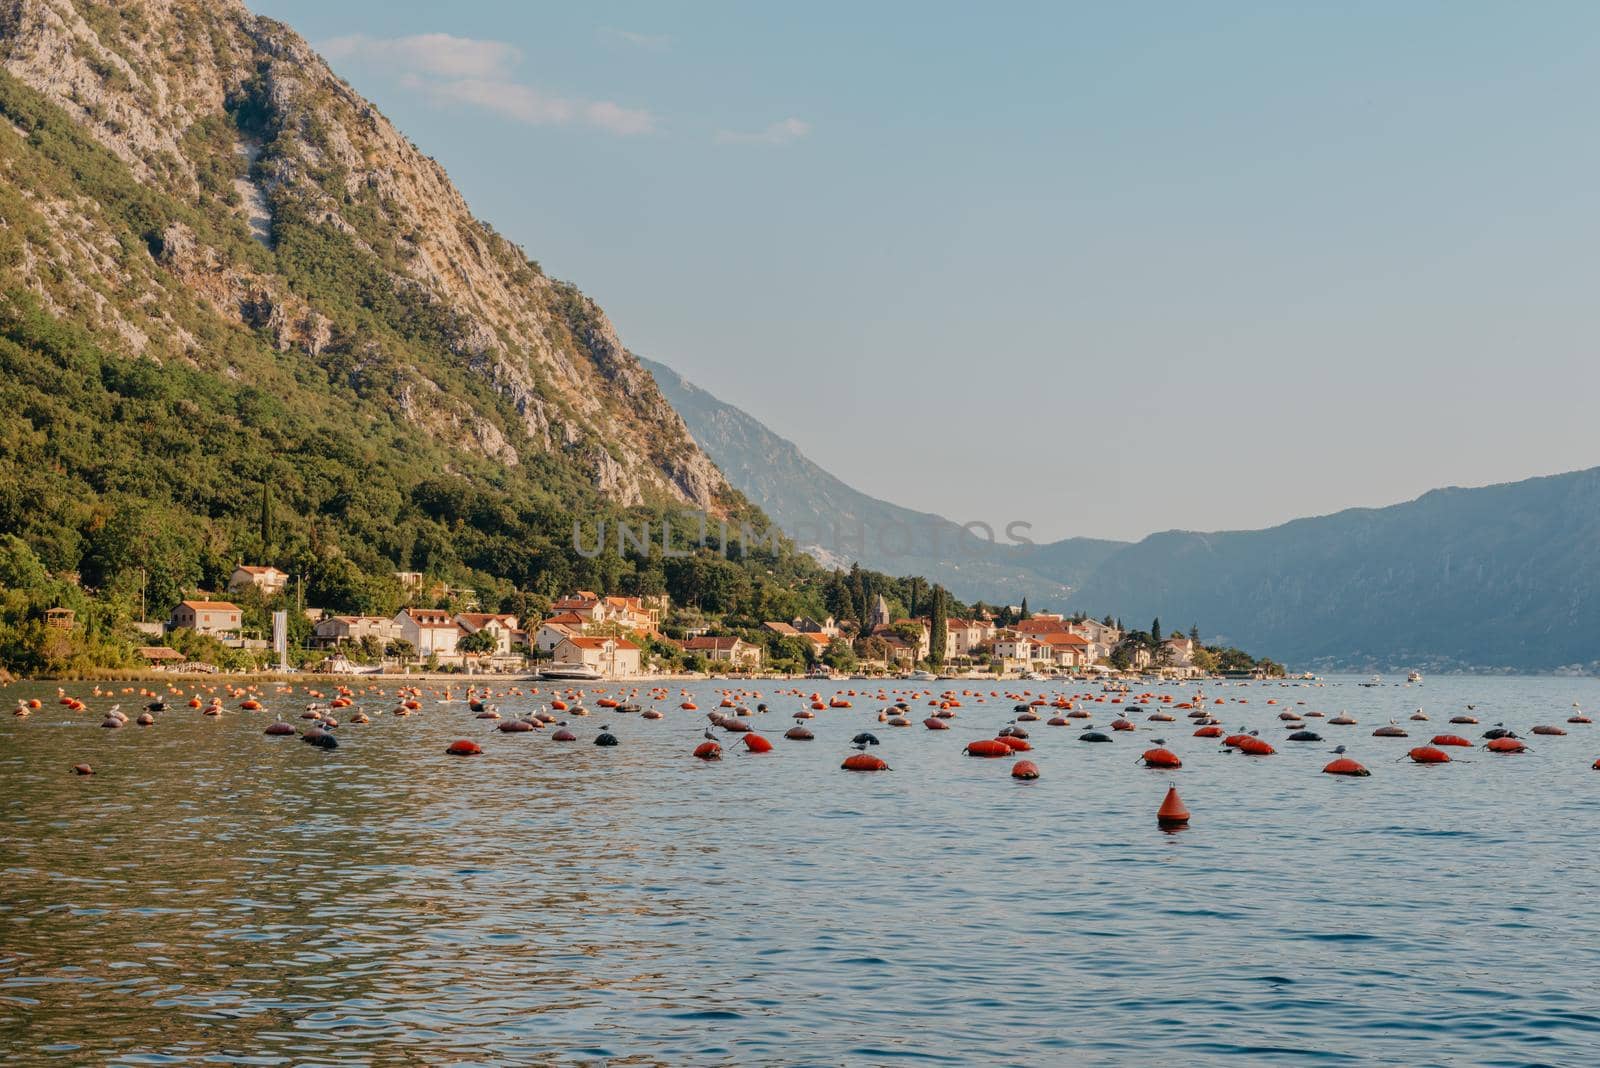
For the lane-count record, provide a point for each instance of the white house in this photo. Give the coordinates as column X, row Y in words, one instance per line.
column 1014, row 647
column 615, row 658
column 552, row 630
column 502, row 625
column 430, row 631
column 269, row 580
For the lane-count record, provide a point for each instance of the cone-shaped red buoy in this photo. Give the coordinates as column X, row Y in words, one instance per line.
column 1025, row 769
column 1172, row 813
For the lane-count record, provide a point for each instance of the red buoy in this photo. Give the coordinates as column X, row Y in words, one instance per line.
column 863, row 762
column 1025, row 769
column 1209, row 732
column 1548, row 730
column 708, row 751
column 797, row 733
column 988, row 747
column 1015, row 744
column 1427, row 754
column 1345, row 766
column 1450, row 739
column 1506, row 745
column 757, row 744
column 82, row 769
column 1161, row 758
column 563, row 735
column 1253, row 746
column 934, row 723
column 1172, row 813
column 463, row 747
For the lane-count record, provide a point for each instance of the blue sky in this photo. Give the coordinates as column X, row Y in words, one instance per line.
column 1107, row 269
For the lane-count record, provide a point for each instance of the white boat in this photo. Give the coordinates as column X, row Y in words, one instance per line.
column 921, row 676
column 1415, row 676
column 570, row 673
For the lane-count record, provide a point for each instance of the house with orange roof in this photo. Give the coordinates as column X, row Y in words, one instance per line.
column 269, row 580
column 431, row 631
column 613, row 658
column 1063, row 649
column 552, row 630
column 217, row 618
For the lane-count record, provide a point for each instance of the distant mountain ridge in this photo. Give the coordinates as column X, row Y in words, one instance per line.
column 1497, row 577
column 824, row 515
column 1502, row 576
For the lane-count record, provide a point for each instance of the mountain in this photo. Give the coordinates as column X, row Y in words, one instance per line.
column 839, row 524
column 1504, row 576
column 184, row 175
column 241, row 315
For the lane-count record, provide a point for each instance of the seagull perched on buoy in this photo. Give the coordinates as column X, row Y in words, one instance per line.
column 1337, row 750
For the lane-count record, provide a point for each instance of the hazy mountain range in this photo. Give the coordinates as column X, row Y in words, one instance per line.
column 1497, row 577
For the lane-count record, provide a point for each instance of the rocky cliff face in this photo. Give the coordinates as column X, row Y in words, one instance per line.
column 310, row 221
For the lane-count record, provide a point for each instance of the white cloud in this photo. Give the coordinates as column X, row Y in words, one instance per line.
column 480, row 74
column 432, row 53
column 781, row 132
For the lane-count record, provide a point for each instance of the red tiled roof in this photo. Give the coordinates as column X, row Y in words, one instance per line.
column 430, row 617
column 599, row 643
column 211, row 606
column 718, row 644
column 566, row 619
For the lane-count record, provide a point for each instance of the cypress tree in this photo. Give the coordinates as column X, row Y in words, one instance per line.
column 940, row 630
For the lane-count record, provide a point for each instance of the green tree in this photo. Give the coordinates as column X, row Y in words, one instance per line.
column 1155, row 631
column 479, row 641
column 939, row 630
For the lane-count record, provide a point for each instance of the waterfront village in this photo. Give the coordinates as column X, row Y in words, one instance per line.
column 618, row 637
